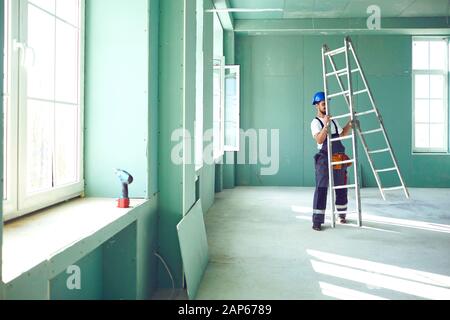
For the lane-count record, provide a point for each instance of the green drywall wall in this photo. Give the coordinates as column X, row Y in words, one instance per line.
column 207, row 173
column 229, row 172
column 190, row 67
column 91, row 280
column 177, row 54
column 153, row 96
column 281, row 73
column 119, row 265
column 147, row 244
column 108, row 272
column 116, row 95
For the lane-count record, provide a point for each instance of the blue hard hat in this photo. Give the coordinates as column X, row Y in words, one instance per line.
column 318, row 97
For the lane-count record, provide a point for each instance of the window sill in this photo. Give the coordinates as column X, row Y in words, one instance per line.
column 34, row 239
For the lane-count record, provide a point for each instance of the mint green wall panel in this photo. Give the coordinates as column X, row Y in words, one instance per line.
column 91, row 280
column 119, row 265
column 116, row 95
column 171, row 118
column 153, row 97
column 207, row 173
column 147, row 244
column 271, row 95
column 272, row 69
column 190, row 65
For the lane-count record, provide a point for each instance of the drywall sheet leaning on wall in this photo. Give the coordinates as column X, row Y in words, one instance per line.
column 194, row 248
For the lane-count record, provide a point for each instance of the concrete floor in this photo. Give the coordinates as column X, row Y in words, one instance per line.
column 262, row 247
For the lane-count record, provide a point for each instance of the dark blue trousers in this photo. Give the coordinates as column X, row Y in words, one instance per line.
column 322, row 183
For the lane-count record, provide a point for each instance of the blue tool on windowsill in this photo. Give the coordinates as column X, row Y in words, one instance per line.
column 126, row 179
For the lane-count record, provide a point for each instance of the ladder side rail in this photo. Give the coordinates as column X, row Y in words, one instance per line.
column 389, row 144
column 329, row 142
column 355, row 151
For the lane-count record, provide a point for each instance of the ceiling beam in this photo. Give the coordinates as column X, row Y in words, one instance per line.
column 226, row 18
column 413, row 26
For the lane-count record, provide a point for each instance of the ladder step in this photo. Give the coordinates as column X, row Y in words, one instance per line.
column 343, row 116
column 342, row 162
column 346, row 212
column 342, row 138
column 351, row 186
column 365, row 113
column 379, row 151
column 343, row 93
column 360, row 92
column 372, row 131
column 393, row 189
column 340, row 73
column 386, row 170
column 335, row 52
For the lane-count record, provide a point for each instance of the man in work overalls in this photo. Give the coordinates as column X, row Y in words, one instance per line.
column 319, row 129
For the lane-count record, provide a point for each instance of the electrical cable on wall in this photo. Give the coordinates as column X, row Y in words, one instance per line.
column 168, row 271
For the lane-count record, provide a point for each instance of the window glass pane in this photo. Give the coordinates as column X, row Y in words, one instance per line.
column 40, row 57
column 231, row 109
column 5, row 148
column 422, row 138
column 422, row 112
column 422, row 86
column 39, row 146
column 6, row 62
column 437, row 139
column 217, row 111
column 68, row 10
column 48, row 5
column 420, row 55
column 66, row 144
column 437, row 86
column 438, row 55
column 437, row 111
column 66, row 63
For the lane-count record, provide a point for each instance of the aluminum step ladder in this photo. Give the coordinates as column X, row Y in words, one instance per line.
column 328, row 56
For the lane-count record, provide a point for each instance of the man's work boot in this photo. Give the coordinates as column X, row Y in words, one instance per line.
column 317, row 227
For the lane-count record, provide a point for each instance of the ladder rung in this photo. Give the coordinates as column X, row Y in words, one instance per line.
column 335, row 52
column 342, row 138
column 343, row 93
column 386, row 170
column 342, row 162
column 372, row 131
column 351, row 186
column 345, row 212
column 343, row 116
column 393, row 189
column 365, row 113
column 360, row 92
column 379, row 151
column 339, row 73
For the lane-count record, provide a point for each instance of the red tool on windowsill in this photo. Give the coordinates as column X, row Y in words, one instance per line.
column 126, row 179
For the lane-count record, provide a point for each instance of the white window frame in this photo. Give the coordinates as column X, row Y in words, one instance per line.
column 219, row 64
column 237, row 70
column 18, row 203
column 445, row 73
column 199, row 107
